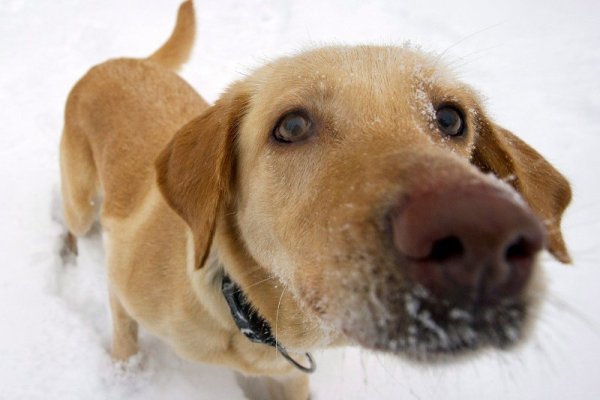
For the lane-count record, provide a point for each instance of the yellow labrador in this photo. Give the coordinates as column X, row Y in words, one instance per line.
column 343, row 195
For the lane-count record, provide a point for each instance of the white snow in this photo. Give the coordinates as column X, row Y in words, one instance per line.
column 537, row 63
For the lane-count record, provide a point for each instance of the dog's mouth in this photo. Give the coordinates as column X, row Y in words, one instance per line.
column 435, row 328
column 430, row 330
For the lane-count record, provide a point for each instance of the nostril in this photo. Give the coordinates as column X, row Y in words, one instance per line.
column 520, row 249
column 519, row 257
column 446, row 248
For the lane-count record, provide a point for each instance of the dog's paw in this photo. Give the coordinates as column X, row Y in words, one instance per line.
column 68, row 249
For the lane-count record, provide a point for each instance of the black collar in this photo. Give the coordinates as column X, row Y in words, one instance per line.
column 252, row 325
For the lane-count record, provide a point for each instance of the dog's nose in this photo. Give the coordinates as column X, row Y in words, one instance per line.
column 468, row 243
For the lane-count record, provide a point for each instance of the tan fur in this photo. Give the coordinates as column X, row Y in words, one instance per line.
column 298, row 227
column 541, row 185
column 178, row 47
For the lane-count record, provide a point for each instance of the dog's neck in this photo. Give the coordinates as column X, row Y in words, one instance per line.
column 219, row 286
column 225, row 291
column 252, row 325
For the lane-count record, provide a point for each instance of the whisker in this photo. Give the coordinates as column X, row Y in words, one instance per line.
column 562, row 305
column 455, row 63
column 458, row 67
column 548, row 334
column 465, row 38
column 398, row 382
column 253, row 270
column 277, row 319
column 243, row 73
column 255, row 284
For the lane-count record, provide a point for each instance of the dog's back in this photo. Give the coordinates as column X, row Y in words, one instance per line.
column 117, row 118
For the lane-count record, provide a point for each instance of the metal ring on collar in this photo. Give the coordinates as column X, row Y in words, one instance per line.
column 309, row 370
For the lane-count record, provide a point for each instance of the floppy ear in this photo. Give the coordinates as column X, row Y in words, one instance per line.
column 545, row 190
column 194, row 171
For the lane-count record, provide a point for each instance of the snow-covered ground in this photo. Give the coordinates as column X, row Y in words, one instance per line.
column 538, row 63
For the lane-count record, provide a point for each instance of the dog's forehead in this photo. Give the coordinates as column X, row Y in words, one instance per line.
column 374, row 70
column 359, row 80
column 353, row 64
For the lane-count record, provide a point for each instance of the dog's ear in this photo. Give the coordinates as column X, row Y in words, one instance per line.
column 194, row 171
column 546, row 191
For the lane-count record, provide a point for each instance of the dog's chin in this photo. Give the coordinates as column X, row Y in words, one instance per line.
column 428, row 331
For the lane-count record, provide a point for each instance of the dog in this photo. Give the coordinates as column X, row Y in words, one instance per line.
column 343, row 195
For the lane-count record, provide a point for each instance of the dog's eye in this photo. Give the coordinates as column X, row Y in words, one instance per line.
column 293, row 127
column 450, row 121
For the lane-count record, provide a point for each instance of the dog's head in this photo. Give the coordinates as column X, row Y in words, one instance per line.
column 363, row 192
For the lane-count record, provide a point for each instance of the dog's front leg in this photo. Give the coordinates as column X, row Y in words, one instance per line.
column 125, row 331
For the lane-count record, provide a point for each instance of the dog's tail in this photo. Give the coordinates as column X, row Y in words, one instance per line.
column 176, row 50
